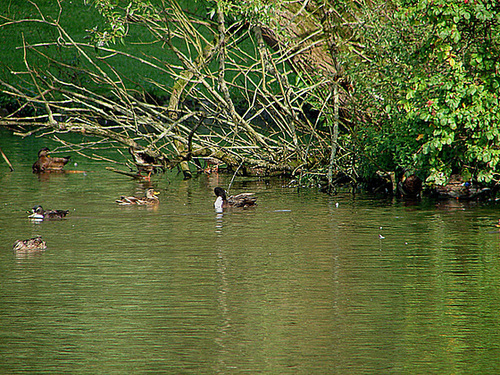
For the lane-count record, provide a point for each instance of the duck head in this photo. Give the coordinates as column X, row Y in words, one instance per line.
column 43, row 152
column 37, row 209
column 220, row 192
column 152, row 194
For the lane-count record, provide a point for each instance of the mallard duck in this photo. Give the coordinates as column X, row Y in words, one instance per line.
column 145, row 163
column 35, row 243
column 240, row 200
column 48, row 163
column 38, row 213
column 150, row 199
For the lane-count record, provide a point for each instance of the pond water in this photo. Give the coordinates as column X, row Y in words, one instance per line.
column 304, row 283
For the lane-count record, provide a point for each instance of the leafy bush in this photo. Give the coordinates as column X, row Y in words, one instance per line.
column 434, row 67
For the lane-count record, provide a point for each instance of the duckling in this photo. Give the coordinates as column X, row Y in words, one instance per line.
column 38, row 213
column 150, row 199
column 48, row 163
column 239, row 200
column 32, row 244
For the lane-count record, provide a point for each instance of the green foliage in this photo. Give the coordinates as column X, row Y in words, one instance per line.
column 456, row 97
column 435, row 66
column 254, row 12
column 117, row 15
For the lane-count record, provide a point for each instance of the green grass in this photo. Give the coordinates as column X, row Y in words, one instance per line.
column 76, row 18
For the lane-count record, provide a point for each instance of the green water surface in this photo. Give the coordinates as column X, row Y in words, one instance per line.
column 305, row 283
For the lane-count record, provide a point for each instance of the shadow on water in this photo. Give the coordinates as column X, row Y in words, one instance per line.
column 302, row 283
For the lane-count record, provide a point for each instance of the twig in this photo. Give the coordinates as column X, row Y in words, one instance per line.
column 234, row 175
column 7, row 161
column 190, row 137
column 136, row 176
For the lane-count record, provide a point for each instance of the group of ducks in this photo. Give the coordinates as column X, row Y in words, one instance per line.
column 46, row 163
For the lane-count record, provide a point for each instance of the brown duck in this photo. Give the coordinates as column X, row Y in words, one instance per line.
column 145, row 163
column 47, row 163
column 150, row 199
column 32, row 244
column 239, row 200
column 38, row 213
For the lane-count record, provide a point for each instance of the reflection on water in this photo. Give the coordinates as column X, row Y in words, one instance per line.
column 302, row 283
column 24, row 253
column 219, row 220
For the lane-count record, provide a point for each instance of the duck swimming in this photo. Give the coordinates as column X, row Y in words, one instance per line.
column 145, row 163
column 47, row 163
column 150, row 199
column 239, row 200
column 38, row 213
column 35, row 243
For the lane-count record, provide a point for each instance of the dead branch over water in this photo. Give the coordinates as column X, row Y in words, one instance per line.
column 242, row 107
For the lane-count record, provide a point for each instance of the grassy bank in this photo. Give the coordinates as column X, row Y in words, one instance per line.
column 76, row 18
